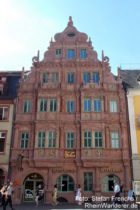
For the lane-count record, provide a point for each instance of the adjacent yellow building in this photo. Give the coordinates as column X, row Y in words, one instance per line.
column 8, row 86
column 131, row 82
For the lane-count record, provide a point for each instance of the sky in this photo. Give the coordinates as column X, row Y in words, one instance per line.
column 27, row 26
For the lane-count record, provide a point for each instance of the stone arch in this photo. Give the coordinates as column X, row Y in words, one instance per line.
column 107, row 182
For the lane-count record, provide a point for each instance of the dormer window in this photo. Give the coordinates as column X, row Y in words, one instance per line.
column 58, row 53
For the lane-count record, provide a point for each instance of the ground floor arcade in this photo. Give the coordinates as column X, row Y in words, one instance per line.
column 94, row 180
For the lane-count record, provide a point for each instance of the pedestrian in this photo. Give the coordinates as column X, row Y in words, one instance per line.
column 78, row 197
column 3, row 192
column 8, row 196
column 116, row 192
column 54, row 195
column 37, row 196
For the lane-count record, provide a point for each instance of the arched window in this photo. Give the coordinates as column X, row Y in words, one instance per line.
column 65, row 183
column 108, row 183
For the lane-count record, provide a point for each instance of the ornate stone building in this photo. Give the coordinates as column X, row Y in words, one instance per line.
column 71, row 125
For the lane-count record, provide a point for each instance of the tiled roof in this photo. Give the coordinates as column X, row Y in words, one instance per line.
column 130, row 78
column 11, row 84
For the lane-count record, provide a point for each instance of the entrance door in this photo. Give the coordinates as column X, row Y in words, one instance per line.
column 30, row 185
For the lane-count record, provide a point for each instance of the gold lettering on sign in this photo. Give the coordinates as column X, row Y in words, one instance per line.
column 70, row 154
column 62, row 170
column 111, row 170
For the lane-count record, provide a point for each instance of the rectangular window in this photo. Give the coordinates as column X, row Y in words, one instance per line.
column 45, row 77
column 4, row 113
column 87, row 139
column 88, row 181
column 113, row 106
column 54, row 78
column 87, row 105
column 43, row 105
column 70, row 106
column 82, row 53
column 27, row 106
column 53, row 105
column 58, row 53
column 70, row 53
column 70, row 140
column 41, row 139
column 97, row 105
column 52, row 139
column 115, row 141
column 86, row 77
column 98, row 137
column 96, row 78
column 2, row 141
column 70, row 78
column 24, row 138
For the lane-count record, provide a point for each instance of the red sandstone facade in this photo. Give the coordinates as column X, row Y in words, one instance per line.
column 92, row 164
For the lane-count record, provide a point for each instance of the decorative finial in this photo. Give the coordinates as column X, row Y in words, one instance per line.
column 70, row 23
column 51, row 39
column 102, row 55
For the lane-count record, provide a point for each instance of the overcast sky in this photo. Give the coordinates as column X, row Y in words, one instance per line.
column 28, row 25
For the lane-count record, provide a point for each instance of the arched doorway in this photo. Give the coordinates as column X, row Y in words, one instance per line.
column 31, row 182
column 2, row 178
column 108, row 183
column 65, row 183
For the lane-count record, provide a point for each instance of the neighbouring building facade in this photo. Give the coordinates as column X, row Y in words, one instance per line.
column 8, row 86
column 131, row 81
column 70, row 125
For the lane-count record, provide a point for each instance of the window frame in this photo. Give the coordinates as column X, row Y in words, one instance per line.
column 54, row 105
column 43, row 105
column 89, row 180
column 25, row 140
column 5, row 139
column 41, row 139
column 115, row 140
column 57, row 55
column 87, row 139
column 96, row 77
column 3, row 113
column 83, row 53
column 52, row 139
column 87, row 104
column 113, row 106
column 70, row 106
column 70, row 140
column 86, row 77
column 70, row 53
column 98, row 138
column 97, row 105
column 28, row 104
column 70, row 77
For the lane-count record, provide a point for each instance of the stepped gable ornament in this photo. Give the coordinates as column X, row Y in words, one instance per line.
column 35, row 59
column 70, row 32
